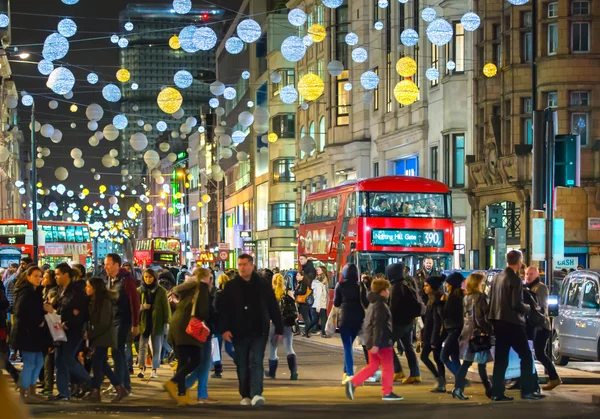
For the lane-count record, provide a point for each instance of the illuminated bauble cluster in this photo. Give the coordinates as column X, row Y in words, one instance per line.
column 406, row 66
column 56, row 47
column 111, row 93
column 234, row 45
column 359, row 55
column 205, row 38
column 297, row 17
column 183, row 79
column 333, row 4
column 45, row 67
column 182, row 6
column 470, row 21
column 311, row 86
column 406, row 92
column 369, row 80
column 123, row 75
column 248, row 31
column 67, row 28
column 293, row 49
column 439, row 32
column 317, row 32
column 169, row 100
column 490, row 70
column 61, row 81
column 288, row 94
column 409, row 37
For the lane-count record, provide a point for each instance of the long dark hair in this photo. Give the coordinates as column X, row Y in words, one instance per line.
column 23, row 277
column 436, row 295
column 152, row 273
column 100, row 293
column 52, row 276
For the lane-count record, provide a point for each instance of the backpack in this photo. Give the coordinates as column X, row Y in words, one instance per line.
column 413, row 305
column 288, row 309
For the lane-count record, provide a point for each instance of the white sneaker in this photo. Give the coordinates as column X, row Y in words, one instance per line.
column 246, row 402
column 154, row 374
column 110, row 390
column 258, row 401
column 372, row 379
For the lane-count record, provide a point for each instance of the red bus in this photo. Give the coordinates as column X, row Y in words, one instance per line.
column 157, row 251
column 62, row 242
column 376, row 222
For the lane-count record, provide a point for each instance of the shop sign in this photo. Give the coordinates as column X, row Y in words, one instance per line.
column 206, row 257
column 594, row 223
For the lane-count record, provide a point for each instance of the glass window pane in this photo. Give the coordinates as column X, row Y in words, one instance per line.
column 400, row 204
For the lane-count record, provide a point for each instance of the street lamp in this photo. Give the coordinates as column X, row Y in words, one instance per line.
column 34, row 209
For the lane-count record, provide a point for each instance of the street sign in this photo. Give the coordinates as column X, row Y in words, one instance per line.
column 593, row 223
column 223, row 255
column 539, row 239
column 223, row 246
column 245, row 234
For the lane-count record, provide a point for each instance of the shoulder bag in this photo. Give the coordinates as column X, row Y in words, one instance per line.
column 196, row 328
column 479, row 342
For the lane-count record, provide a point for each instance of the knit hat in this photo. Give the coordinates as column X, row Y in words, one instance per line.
column 350, row 273
column 435, row 282
column 455, row 279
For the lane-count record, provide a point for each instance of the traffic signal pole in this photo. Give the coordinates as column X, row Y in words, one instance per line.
column 549, row 122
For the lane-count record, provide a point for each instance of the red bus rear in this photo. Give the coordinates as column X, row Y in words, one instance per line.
column 157, row 251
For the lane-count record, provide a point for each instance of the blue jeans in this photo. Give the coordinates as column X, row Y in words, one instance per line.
column 101, row 368
column 348, row 338
column 288, row 336
column 32, row 365
column 67, row 365
column 166, row 348
column 120, row 357
column 450, row 351
column 228, row 349
column 156, row 350
column 201, row 373
column 249, row 357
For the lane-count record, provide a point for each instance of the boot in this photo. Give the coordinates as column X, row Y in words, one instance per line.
column 93, row 396
column 293, row 365
column 273, row 363
column 552, row 384
column 121, row 394
column 33, row 394
column 218, row 373
column 441, row 388
column 25, row 396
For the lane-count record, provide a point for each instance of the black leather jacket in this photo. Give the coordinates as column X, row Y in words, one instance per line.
column 506, row 298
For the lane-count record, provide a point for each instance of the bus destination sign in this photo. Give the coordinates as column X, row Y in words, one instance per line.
column 407, row 238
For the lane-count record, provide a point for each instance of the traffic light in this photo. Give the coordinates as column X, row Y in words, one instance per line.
column 494, row 216
column 567, row 161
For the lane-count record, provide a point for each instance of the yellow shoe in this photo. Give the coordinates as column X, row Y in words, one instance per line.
column 412, row 380
column 346, row 378
column 185, row 400
column 398, row 376
column 194, row 386
column 552, row 384
column 171, row 388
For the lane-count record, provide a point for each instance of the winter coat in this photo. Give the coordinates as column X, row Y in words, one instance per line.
column 378, row 323
column 321, row 295
column 101, row 329
column 4, row 305
column 453, row 311
column 404, row 291
column 51, row 294
column 161, row 311
column 506, row 298
column 128, row 303
column 542, row 293
column 309, row 269
column 350, row 296
column 72, row 299
column 475, row 309
column 420, row 278
column 180, row 319
column 432, row 324
column 27, row 334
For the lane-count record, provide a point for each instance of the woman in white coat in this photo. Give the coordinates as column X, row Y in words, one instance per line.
column 320, row 287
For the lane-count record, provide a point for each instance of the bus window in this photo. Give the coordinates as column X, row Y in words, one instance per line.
column 310, row 211
column 79, row 234
column 405, row 204
column 333, row 207
column 86, row 234
column 70, row 234
column 326, row 209
column 318, row 210
column 351, row 206
column 61, row 234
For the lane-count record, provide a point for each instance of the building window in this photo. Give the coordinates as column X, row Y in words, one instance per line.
column 375, row 11
column 458, row 153
column 341, row 30
column 401, row 20
column 376, row 92
column 321, row 69
column 447, row 155
column 527, row 47
column 282, row 170
column 527, row 105
column 283, row 214
column 434, row 62
column 527, row 131
column 322, row 134
column 262, row 205
column 288, row 77
column 376, row 169
column 320, row 15
column 580, row 8
column 302, row 133
column 527, row 20
column 284, row 125
column 311, row 132
column 580, row 99
column 433, row 163
column 579, row 126
column 389, row 85
column 498, row 46
column 580, row 37
column 408, row 166
column 552, row 38
column 552, row 10
column 552, row 99
column 343, row 100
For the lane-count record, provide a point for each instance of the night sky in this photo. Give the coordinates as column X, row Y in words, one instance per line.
column 32, row 21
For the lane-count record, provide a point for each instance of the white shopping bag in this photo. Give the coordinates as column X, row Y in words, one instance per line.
column 56, row 330
column 216, row 354
column 514, row 363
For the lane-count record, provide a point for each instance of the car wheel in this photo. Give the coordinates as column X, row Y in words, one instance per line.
column 556, row 355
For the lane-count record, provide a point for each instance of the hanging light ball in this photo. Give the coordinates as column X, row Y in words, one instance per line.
column 275, row 77
column 383, row 4
column 92, row 125
column 123, row 75
column 213, row 102
column 369, row 80
column 229, row 93
column 234, row 45
column 61, row 173
column 409, row 37
column 56, row 47
column 191, row 121
column 53, row 104
column 317, row 32
column 67, row 28
column 182, row 6
column 128, row 26
column 237, row 137
column 169, row 100
column 490, row 70
column 245, row 74
column 94, row 112
column 359, row 55
column 47, row 130
column 73, row 108
column 45, row 67
column 428, row 14
column 311, row 86
column 378, row 25
column 518, row 2
column 110, row 132
column 73, row 125
column 61, row 81
column 151, row 158
column 288, row 94
column 174, row 42
column 70, row 2
column 293, row 49
column 134, row 86
column 161, row 126
column 138, row 141
column 351, row 39
column 186, row 39
column 68, row 95
column 272, row 137
column 120, row 121
column 406, row 66
column 4, row 20
column 333, row 4
column 183, row 79
column 164, row 147
column 470, row 21
column 205, row 38
column 297, row 17
column 347, row 86
column 217, row 88
column 111, row 93
column 307, row 41
column 406, row 92
column 123, row 42
column 114, row 39
column 451, row 65
column 93, row 141
column 307, row 144
column 439, row 32
column 246, row 119
column 335, row 68
column 92, row 78
column 432, row 74
column 248, row 31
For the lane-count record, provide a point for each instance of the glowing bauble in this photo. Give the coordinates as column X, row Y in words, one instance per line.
column 169, row 100
column 123, row 75
column 151, row 158
column 73, row 125
column 119, row 122
column 229, row 93
column 297, row 17
column 347, row 86
column 518, row 2
column 245, row 74
column 47, row 130
column 369, row 80
column 335, row 68
column 149, row 208
column 307, row 41
column 213, row 102
column 4, row 20
column 45, row 151
column 114, row 38
column 205, row 38
column 36, row 127
column 172, row 157
column 406, row 66
column 428, row 14
column 68, row 95
column 383, row 4
column 288, row 94
column 272, row 137
column 470, row 21
column 93, row 141
column 45, row 67
column 175, row 134
column 113, row 200
column 226, row 153
column 432, row 74
column 359, row 55
column 96, row 176
column 92, row 125
column 39, row 163
column 439, row 32
column 92, row 78
column 94, row 112
column 409, row 37
column 76, row 153
column 307, row 144
column 57, row 136
column 113, row 152
column 191, row 121
column 61, row 81
column 406, row 92
column 128, row 26
column 52, row 104
column 183, row 79
column 79, row 163
column 220, row 111
column 61, row 173
column 317, row 32
column 304, row 106
column 147, row 127
column 12, row 102
column 74, row 108
column 217, row 88
column 351, row 39
column 56, row 47
column 245, row 118
column 138, row 141
column 450, row 65
column 237, row 137
column 490, row 70
column 185, row 129
column 225, row 140
column 107, row 160
column 161, row 126
column 248, row 31
column 186, row 39
column 111, row 93
column 234, row 45
column 67, row 28
column 275, row 77
column 164, row 147
column 311, row 86
column 332, row 4
column 242, row 156
column 123, row 43
column 378, row 25
column 293, row 49
column 110, row 132
column 174, row 42
column 182, row 6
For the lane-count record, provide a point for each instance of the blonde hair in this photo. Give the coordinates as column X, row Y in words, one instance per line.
column 474, row 281
column 278, row 286
column 202, row 273
column 379, row 285
column 222, row 280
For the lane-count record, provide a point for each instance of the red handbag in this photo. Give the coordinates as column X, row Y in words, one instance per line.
column 196, row 328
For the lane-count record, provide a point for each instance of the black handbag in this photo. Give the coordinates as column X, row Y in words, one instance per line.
column 479, row 342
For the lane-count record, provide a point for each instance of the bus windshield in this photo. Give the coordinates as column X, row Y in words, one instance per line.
column 405, row 204
column 376, row 262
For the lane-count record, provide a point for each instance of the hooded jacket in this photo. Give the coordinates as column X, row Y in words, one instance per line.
column 101, row 329
column 73, row 299
column 128, row 302
column 180, row 319
column 26, row 334
column 378, row 322
column 453, row 311
column 432, row 323
column 404, row 293
column 351, row 297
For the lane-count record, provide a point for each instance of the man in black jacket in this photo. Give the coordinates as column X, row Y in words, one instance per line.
column 507, row 314
column 406, row 306
column 73, row 309
column 249, row 305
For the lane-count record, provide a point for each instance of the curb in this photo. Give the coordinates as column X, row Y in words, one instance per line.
column 321, row 344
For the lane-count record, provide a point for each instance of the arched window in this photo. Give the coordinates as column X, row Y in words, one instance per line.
column 322, row 134
column 311, row 132
column 302, row 132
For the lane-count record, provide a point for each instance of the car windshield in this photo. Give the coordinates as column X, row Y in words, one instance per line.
column 404, row 204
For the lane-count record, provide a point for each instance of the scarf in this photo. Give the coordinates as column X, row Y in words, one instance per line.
column 149, row 294
column 533, row 283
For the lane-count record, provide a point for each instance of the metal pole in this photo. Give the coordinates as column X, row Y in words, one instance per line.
column 34, row 210
column 534, row 48
column 549, row 116
column 187, row 223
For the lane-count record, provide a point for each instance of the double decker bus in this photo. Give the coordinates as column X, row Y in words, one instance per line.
column 157, row 251
column 61, row 242
column 376, row 222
